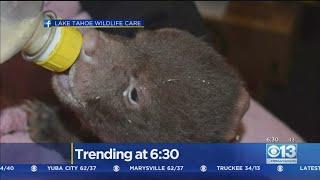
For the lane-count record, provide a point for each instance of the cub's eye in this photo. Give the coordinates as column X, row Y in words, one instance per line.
column 133, row 96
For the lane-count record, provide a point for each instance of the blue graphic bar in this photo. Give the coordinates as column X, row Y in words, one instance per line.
column 95, row 23
column 162, row 168
column 164, row 159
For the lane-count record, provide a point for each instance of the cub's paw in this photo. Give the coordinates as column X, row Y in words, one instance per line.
column 43, row 121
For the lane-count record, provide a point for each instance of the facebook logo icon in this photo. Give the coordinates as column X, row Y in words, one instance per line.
column 47, row 23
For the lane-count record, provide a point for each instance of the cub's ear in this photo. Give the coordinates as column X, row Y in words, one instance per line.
column 240, row 108
column 169, row 30
column 90, row 41
column 206, row 38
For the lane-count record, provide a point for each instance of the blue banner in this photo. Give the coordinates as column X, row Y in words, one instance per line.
column 95, row 23
column 163, row 159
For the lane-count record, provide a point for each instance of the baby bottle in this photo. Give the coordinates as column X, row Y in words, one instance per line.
column 22, row 29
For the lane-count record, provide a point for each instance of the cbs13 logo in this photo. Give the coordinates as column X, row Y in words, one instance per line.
column 282, row 150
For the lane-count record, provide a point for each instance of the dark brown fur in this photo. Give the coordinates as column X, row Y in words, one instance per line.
column 185, row 90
